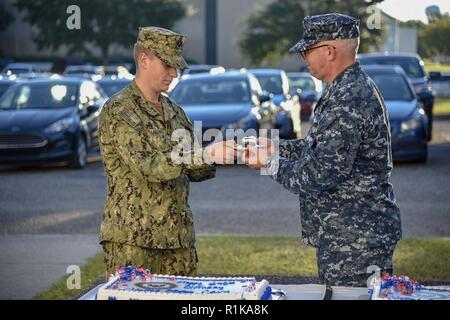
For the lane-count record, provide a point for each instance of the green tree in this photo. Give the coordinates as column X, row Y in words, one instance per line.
column 274, row 29
column 103, row 23
column 370, row 38
column 433, row 38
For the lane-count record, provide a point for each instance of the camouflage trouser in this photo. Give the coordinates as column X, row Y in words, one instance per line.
column 349, row 268
column 181, row 261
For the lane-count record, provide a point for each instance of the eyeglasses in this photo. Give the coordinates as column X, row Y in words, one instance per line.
column 303, row 53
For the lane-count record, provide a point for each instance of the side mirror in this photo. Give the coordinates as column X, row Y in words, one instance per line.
column 424, row 95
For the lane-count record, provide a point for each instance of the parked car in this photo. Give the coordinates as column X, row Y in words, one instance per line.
column 412, row 65
column 440, row 82
column 203, row 68
column 276, row 82
column 196, row 69
column 20, row 68
column 85, row 71
column 5, row 83
column 113, row 84
column 230, row 100
column 408, row 121
column 307, row 88
column 4, row 62
column 116, row 70
column 50, row 120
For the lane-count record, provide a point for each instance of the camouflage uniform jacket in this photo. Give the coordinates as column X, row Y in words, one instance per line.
column 341, row 169
column 147, row 194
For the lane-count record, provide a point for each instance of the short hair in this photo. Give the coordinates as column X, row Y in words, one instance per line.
column 351, row 46
column 137, row 50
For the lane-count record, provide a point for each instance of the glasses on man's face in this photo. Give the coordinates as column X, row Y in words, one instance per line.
column 303, row 54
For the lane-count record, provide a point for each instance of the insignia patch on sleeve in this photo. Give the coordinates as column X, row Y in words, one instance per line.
column 131, row 119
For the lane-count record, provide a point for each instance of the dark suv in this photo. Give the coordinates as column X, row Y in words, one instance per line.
column 412, row 64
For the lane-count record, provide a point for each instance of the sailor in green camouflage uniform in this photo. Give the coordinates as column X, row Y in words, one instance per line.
column 147, row 220
column 341, row 169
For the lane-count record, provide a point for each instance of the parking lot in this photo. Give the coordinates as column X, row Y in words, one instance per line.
column 57, row 200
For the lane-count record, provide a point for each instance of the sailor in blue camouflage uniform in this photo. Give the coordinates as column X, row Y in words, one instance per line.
column 341, row 169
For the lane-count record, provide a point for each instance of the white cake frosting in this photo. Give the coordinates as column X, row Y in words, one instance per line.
column 166, row 287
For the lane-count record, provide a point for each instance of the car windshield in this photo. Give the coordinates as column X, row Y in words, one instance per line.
column 195, row 71
column 393, row 87
column 82, row 69
column 303, row 83
column 270, row 83
column 112, row 87
column 211, row 91
column 410, row 65
column 4, row 87
column 39, row 95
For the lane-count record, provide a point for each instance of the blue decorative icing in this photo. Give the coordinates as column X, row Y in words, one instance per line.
column 267, row 295
column 215, row 292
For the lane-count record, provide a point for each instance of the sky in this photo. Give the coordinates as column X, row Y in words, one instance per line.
column 404, row 10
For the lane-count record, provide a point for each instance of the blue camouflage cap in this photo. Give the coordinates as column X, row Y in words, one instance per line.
column 330, row 26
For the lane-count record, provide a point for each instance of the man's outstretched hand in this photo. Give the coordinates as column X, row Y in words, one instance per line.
column 222, row 152
column 255, row 157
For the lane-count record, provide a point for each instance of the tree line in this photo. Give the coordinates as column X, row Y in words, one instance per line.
column 268, row 35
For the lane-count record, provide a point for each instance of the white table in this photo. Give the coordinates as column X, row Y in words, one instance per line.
column 294, row 292
column 316, row 292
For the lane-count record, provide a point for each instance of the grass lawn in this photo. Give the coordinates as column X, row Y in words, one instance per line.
column 441, row 107
column 436, row 67
column 422, row 259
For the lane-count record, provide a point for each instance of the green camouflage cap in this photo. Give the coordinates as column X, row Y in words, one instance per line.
column 330, row 26
column 165, row 44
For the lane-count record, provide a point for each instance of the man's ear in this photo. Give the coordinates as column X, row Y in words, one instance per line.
column 331, row 54
column 144, row 60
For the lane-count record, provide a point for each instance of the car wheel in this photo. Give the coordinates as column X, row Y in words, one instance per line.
column 79, row 157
